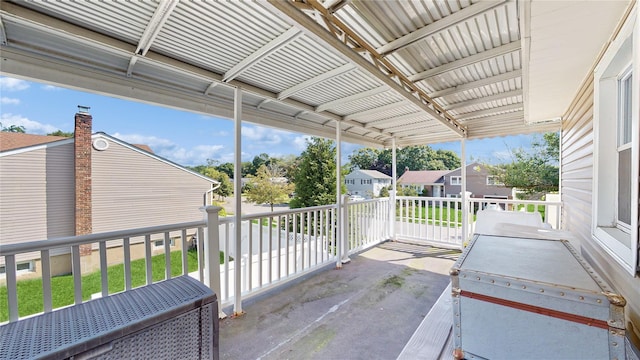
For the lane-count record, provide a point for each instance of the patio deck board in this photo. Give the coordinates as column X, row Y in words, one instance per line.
column 368, row 310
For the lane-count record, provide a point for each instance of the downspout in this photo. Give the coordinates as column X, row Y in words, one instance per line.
column 465, row 202
column 237, row 179
column 392, row 221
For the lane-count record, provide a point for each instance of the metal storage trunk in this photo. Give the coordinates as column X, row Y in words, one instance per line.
column 519, row 298
column 172, row 319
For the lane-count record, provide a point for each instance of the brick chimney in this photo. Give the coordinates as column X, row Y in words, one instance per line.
column 82, row 152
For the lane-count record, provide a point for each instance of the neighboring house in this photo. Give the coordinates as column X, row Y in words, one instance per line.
column 448, row 183
column 430, row 180
column 366, row 183
column 117, row 186
column 480, row 184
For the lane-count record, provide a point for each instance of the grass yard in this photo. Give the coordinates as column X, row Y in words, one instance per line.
column 434, row 215
column 30, row 291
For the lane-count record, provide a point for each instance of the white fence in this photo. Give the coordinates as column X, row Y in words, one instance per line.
column 439, row 221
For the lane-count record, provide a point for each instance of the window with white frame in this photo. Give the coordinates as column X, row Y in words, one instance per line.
column 493, row 180
column 616, row 144
column 21, row 267
column 456, row 180
column 160, row 243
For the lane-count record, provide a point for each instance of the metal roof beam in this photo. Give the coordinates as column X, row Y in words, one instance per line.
column 349, row 45
column 3, row 34
column 477, row 114
column 159, row 17
column 466, row 61
column 476, row 84
column 376, row 110
column 485, row 99
column 440, row 25
column 315, row 80
column 351, row 98
column 274, row 45
column 391, row 120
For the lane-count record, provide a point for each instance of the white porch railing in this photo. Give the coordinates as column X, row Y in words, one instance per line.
column 275, row 247
column 439, row 221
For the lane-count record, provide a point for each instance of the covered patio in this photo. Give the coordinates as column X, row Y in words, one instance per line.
column 376, row 73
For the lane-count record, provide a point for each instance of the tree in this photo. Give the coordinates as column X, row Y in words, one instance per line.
column 421, row 157
column 226, row 168
column 533, row 172
column 315, row 176
column 61, row 133
column 13, row 128
column 226, row 188
column 267, row 186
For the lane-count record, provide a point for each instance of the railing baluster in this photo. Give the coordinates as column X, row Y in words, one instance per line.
column 183, row 246
column 279, row 262
column 126, row 249
column 296, row 218
column 287, row 223
column 147, row 259
column 200, row 253
column 227, row 280
column 248, row 259
column 260, row 250
column 104, row 280
column 12, row 286
column 270, row 270
column 45, row 263
column 77, row 274
column 167, row 256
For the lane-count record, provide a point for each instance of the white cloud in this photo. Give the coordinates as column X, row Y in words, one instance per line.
column 9, row 101
column 30, row 126
column 300, row 142
column 260, row 136
column 196, row 155
column 51, row 88
column 11, row 84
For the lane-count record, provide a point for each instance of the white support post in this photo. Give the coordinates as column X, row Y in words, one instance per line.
column 345, row 229
column 392, row 221
column 237, row 175
column 339, row 223
column 465, row 202
column 212, row 251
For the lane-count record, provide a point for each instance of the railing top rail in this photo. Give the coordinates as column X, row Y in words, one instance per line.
column 38, row 245
column 367, row 201
column 502, row 201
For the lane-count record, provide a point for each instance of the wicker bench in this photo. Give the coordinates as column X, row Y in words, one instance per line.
column 172, row 319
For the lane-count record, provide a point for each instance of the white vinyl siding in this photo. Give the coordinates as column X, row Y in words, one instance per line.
column 132, row 189
column 616, row 147
column 577, row 188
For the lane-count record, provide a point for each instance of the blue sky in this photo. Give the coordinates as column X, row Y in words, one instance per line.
column 183, row 137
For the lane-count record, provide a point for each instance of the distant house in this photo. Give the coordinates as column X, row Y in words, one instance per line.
column 430, row 180
column 480, row 184
column 366, row 183
column 54, row 187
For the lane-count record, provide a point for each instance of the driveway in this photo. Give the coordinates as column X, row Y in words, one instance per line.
column 250, row 208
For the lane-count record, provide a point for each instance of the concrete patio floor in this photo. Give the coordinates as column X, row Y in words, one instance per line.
column 367, row 310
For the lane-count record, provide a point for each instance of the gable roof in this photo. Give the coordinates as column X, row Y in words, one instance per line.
column 422, row 176
column 375, row 174
column 12, row 141
column 20, row 142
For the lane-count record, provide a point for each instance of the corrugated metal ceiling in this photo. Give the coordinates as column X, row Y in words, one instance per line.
column 464, row 54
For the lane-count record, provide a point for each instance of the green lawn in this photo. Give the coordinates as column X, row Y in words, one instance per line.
column 435, row 215
column 30, row 291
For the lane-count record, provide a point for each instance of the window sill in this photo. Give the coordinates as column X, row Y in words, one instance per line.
column 616, row 243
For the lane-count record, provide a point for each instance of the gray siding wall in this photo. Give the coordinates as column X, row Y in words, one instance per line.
column 131, row 190
column 36, row 195
column 476, row 184
column 576, row 189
